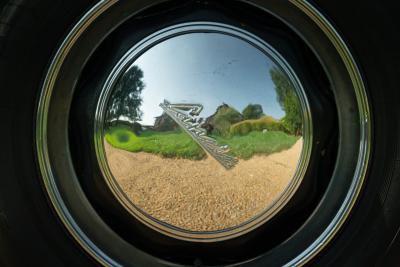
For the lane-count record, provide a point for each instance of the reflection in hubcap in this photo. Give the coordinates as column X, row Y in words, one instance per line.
column 195, row 128
column 225, row 154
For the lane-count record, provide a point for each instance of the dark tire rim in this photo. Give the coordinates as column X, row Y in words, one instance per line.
column 95, row 236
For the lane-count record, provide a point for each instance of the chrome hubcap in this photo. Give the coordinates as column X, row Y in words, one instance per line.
column 257, row 130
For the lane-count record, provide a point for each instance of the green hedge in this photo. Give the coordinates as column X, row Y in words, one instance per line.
column 265, row 123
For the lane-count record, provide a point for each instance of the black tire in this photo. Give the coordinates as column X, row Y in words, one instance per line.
column 31, row 234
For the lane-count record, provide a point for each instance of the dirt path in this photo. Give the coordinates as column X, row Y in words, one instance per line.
column 202, row 195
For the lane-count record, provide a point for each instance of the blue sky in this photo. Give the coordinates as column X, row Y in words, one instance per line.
column 209, row 69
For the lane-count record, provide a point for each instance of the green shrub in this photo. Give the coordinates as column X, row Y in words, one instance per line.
column 252, row 112
column 264, row 123
column 243, row 128
column 223, row 119
column 221, row 127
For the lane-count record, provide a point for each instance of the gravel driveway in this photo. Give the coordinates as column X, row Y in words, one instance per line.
column 202, row 195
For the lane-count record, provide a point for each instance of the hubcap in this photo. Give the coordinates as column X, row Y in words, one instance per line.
column 204, row 131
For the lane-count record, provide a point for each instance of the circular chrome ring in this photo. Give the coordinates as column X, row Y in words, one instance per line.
column 365, row 134
column 124, row 64
column 48, row 174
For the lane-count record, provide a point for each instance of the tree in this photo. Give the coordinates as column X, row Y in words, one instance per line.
column 252, row 111
column 222, row 119
column 125, row 100
column 288, row 100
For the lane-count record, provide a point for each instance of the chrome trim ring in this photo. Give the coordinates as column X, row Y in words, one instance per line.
column 41, row 136
column 127, row 60
column 67, row 218
column 365, row 134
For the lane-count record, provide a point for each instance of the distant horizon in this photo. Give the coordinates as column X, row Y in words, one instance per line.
column 200, row 116
column 218, row 68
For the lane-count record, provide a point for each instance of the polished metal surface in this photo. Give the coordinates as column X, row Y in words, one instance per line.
column 194, row 127
column 256, row 124
column 46, row 168
column 365, row 133
column 50, row 180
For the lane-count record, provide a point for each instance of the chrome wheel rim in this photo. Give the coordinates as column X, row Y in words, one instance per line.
column 313, row 249
column 142, row 47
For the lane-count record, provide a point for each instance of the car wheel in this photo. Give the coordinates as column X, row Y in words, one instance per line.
column 175, row 133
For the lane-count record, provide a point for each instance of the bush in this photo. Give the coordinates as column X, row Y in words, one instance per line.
column 221, row 127
column 223, row 119
column 243, row 128
column 264, row 123
column 252, row 112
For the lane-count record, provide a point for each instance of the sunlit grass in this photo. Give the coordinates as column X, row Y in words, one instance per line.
column 168, row 144
column 245, row 146
column 178, row 144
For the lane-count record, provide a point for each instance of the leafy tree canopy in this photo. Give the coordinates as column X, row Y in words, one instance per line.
column 288, row 100
column 125, row 100
column 252, row 112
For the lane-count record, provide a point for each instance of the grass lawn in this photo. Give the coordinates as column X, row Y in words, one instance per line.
column 245, row 146
column 179, row 144
column 168, row 144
